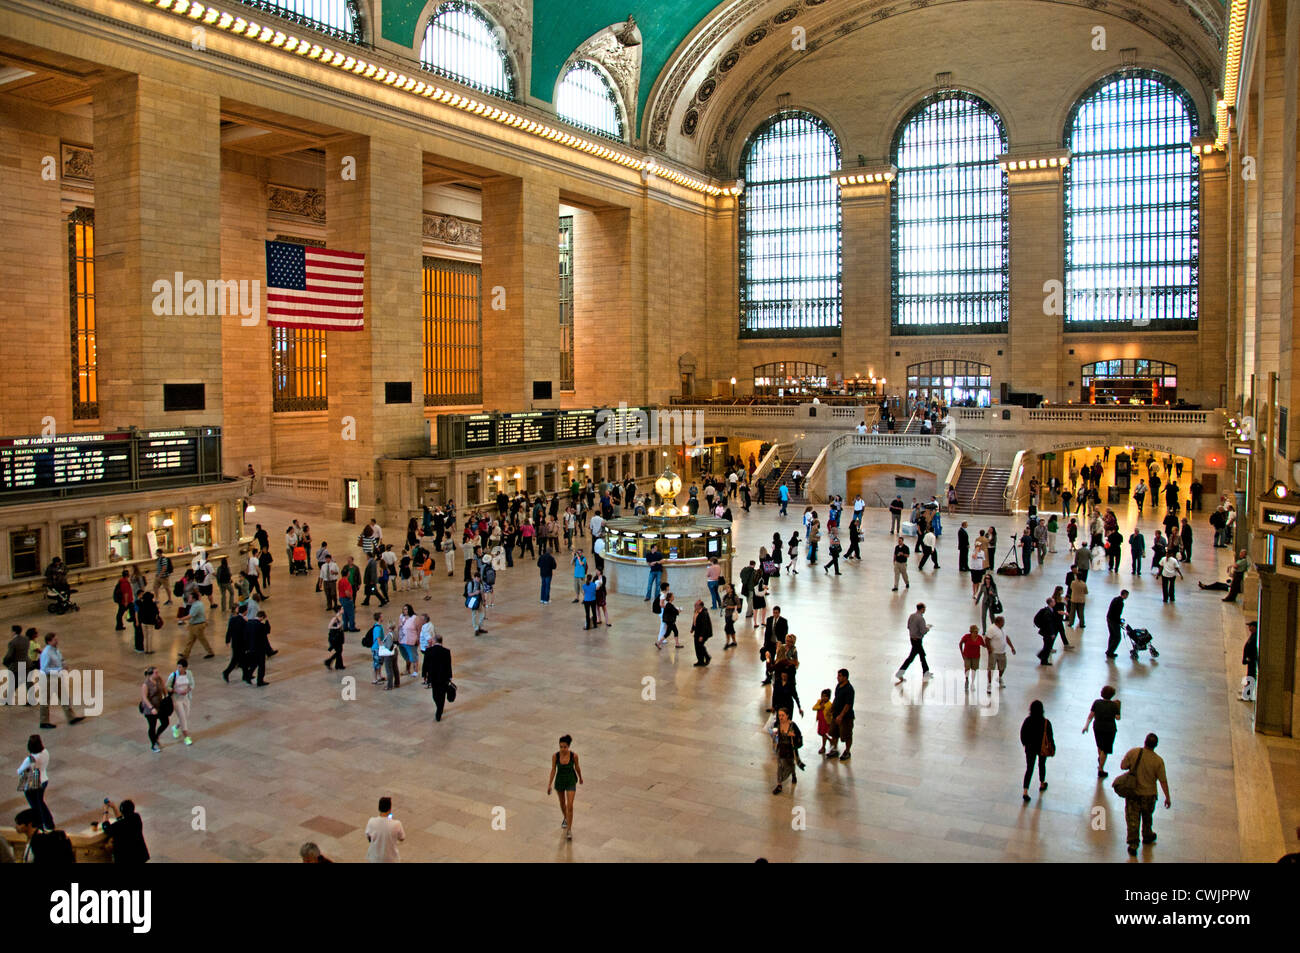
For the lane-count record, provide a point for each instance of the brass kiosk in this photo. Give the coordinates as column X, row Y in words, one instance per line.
column 687, row 543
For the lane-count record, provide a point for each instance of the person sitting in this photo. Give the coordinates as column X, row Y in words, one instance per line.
column 43, row 847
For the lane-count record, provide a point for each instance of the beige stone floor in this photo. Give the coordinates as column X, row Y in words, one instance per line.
column 688, row 775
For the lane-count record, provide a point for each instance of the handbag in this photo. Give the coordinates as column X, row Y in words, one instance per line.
column 166, row 707
column 1048, row 748
column 1126, row 784
column 30, row 779
column 451, row 691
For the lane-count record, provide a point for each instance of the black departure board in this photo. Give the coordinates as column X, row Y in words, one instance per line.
column 64, row 460
column 72, row 464
column 502, row 433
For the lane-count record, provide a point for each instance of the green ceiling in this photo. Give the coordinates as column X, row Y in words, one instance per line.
column 559, row 26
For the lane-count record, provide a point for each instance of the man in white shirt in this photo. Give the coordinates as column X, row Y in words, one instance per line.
column 862, row 427
column 379, row 533
column 597, row 526
column 1169, row 571
column 329, row 578
column 996, row 641
column 858, row 505
column 384, row 834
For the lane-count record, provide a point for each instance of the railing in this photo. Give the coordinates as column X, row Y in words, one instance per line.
column 813, row 471
column 765, row 465
column 1011, row 493
column 979, row 454
column 1116, row 415
column 900, row 440
column 303, row 487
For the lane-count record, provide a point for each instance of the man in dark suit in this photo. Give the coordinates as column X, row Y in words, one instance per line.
column 237, row 639
column 437, row 670
column 258, row 648
column 963, row 548
column 775, row 629
column 1049, row 624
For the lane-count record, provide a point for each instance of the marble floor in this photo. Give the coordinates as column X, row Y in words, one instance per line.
column 685, row 771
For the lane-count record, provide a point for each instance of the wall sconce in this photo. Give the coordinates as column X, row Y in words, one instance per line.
column 205, row 518
column 169, row 522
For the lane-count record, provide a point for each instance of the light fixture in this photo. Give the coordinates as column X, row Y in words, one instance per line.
column 251, row 508
column 124, row 528
column 205, row 518
column 1279, row 489
column 586, row 466
column 518, row 475
column 570, row 467
column 168, row 522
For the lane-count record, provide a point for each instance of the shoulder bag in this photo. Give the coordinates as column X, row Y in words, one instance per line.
column 1126, row 784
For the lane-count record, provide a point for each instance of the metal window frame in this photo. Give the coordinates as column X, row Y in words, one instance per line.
column 566, row 300
column 511, row 92
column 286, row 11
column 453, row 361
column 832, row 306
column 618, row 133
column 1193, row 206
column 79, row 268
column 961, row 301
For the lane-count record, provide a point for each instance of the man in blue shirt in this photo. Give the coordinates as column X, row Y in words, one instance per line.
column 784, row 493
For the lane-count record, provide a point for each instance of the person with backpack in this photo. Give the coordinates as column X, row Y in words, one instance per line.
column 1039, row 744
column 225, row 584
column 43, row 847
column 488, row 576
column 1144, row 769
column 474, row 601
column 162, row 573
column 579, row 562
column 787, row 739
column 204, row 577
column 124, row 597
column 34, row 778
column 180, row 686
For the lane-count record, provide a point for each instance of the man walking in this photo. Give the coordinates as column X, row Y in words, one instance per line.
column 929, row 550
column 1114, row 618
column 1170, row 572
column 783, row 494
column 1049, row 625
column 916, row 629
column 1137, row 547
column 901, row 554
column 546, row 567
column 52, row 684
column 437, row 668
column 1148, row 769
column 748, row 579
column 855, row 538
column 196, row 620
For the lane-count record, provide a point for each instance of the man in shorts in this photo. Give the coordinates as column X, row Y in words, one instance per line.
column 841, row 717
column 995, row 639
column 970, row 646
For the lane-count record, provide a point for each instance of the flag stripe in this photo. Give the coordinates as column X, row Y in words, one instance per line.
column 319, row 288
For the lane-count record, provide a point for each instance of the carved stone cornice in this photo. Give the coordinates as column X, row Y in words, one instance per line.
column 293, row 204
column 451, row 230
column 77, row 164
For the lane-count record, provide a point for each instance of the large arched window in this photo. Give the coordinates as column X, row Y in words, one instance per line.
column 1132, row 224
column 460, row 43
column 337, row 18
column 586, row 99
column 949, row 218
column 790, row 229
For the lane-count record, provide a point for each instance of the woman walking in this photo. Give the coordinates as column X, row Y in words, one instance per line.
column 334, row 638
column 180, row 686
column 155, row 705
column 978, row 564
column 759, row 602
column 792, row 554
column 787, row 740
column 34, row 778
column 1102, row 717
column 147, row 618
column 730, row 606
column 1039, row 744
column 566, row 775
column 776, row 553
column 989, row 602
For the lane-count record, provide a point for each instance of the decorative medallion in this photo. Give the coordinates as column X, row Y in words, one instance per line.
column 786, row 15
column 706, row 89
column 689, row 122
column 450, row 230
column 756, row 36
column 728, row 61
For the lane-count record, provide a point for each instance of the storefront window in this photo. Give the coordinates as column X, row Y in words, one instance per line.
column 119, row 538
column 201, row 534
column 162, row 529
column 76, row 545
column 25, row 553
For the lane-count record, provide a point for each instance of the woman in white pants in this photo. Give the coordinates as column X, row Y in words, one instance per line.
column 181, row 685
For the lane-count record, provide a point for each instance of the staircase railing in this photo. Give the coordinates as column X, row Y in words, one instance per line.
column 1011, row 494
column 813, row 471
column 980, row 454
column 765, row 465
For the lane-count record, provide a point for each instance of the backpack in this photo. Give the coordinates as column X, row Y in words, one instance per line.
column 368, row 640
column 656, row 606
column 489, row 574
column 178, row 588
column 200, row 575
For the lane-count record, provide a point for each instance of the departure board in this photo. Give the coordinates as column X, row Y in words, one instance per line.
column 525, row 430
column 64, row 460
column 502, row 433
column 575, row 425
column 480, row 432
column 83, row 463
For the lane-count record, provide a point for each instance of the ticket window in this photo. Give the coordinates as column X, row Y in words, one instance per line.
column 473, row 482
column 550, row 470
column 25, row 553
column 162, row 524
column 531, row 479
column 598, row 469
column 76, row 545
column 119, row 538
column 201, row 535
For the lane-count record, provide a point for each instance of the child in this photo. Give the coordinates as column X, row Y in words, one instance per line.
column 823, row 708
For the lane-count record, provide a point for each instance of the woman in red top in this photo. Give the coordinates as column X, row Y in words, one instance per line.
column 970, row 646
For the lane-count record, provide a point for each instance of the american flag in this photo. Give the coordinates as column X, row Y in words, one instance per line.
column 314, row 287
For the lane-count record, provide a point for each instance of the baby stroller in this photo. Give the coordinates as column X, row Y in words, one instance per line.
column 59, row 601
column 1140, row 639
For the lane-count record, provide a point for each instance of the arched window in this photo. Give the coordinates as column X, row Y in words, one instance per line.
column 586, row 99
column 949, row 218
column 1132, row 223
column 460, row 43
column 790, row 229
column 337, row 18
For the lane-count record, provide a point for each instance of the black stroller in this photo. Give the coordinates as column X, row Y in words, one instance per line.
column 59, row 601
column 1140, row 639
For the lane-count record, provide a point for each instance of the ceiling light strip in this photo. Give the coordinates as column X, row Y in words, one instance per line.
column 1231, row 66
column 288, row 43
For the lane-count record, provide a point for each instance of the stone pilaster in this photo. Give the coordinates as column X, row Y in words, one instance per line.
column 1035, row 341
column 866, row 279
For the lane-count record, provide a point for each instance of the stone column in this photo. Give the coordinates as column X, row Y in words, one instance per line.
column 605, row 317
column 1035, row 345
column 1216, row 349
column 157, row 215
column 1275, row 697
column 373, row 205
column 521, row 326
column 1285, row 17
column 866, row 289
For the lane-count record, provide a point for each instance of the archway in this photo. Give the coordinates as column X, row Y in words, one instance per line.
column 1130, row 380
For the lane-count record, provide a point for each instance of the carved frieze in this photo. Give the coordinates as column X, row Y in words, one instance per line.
column 450, row 230
column 77, row 164
column 303, row 205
